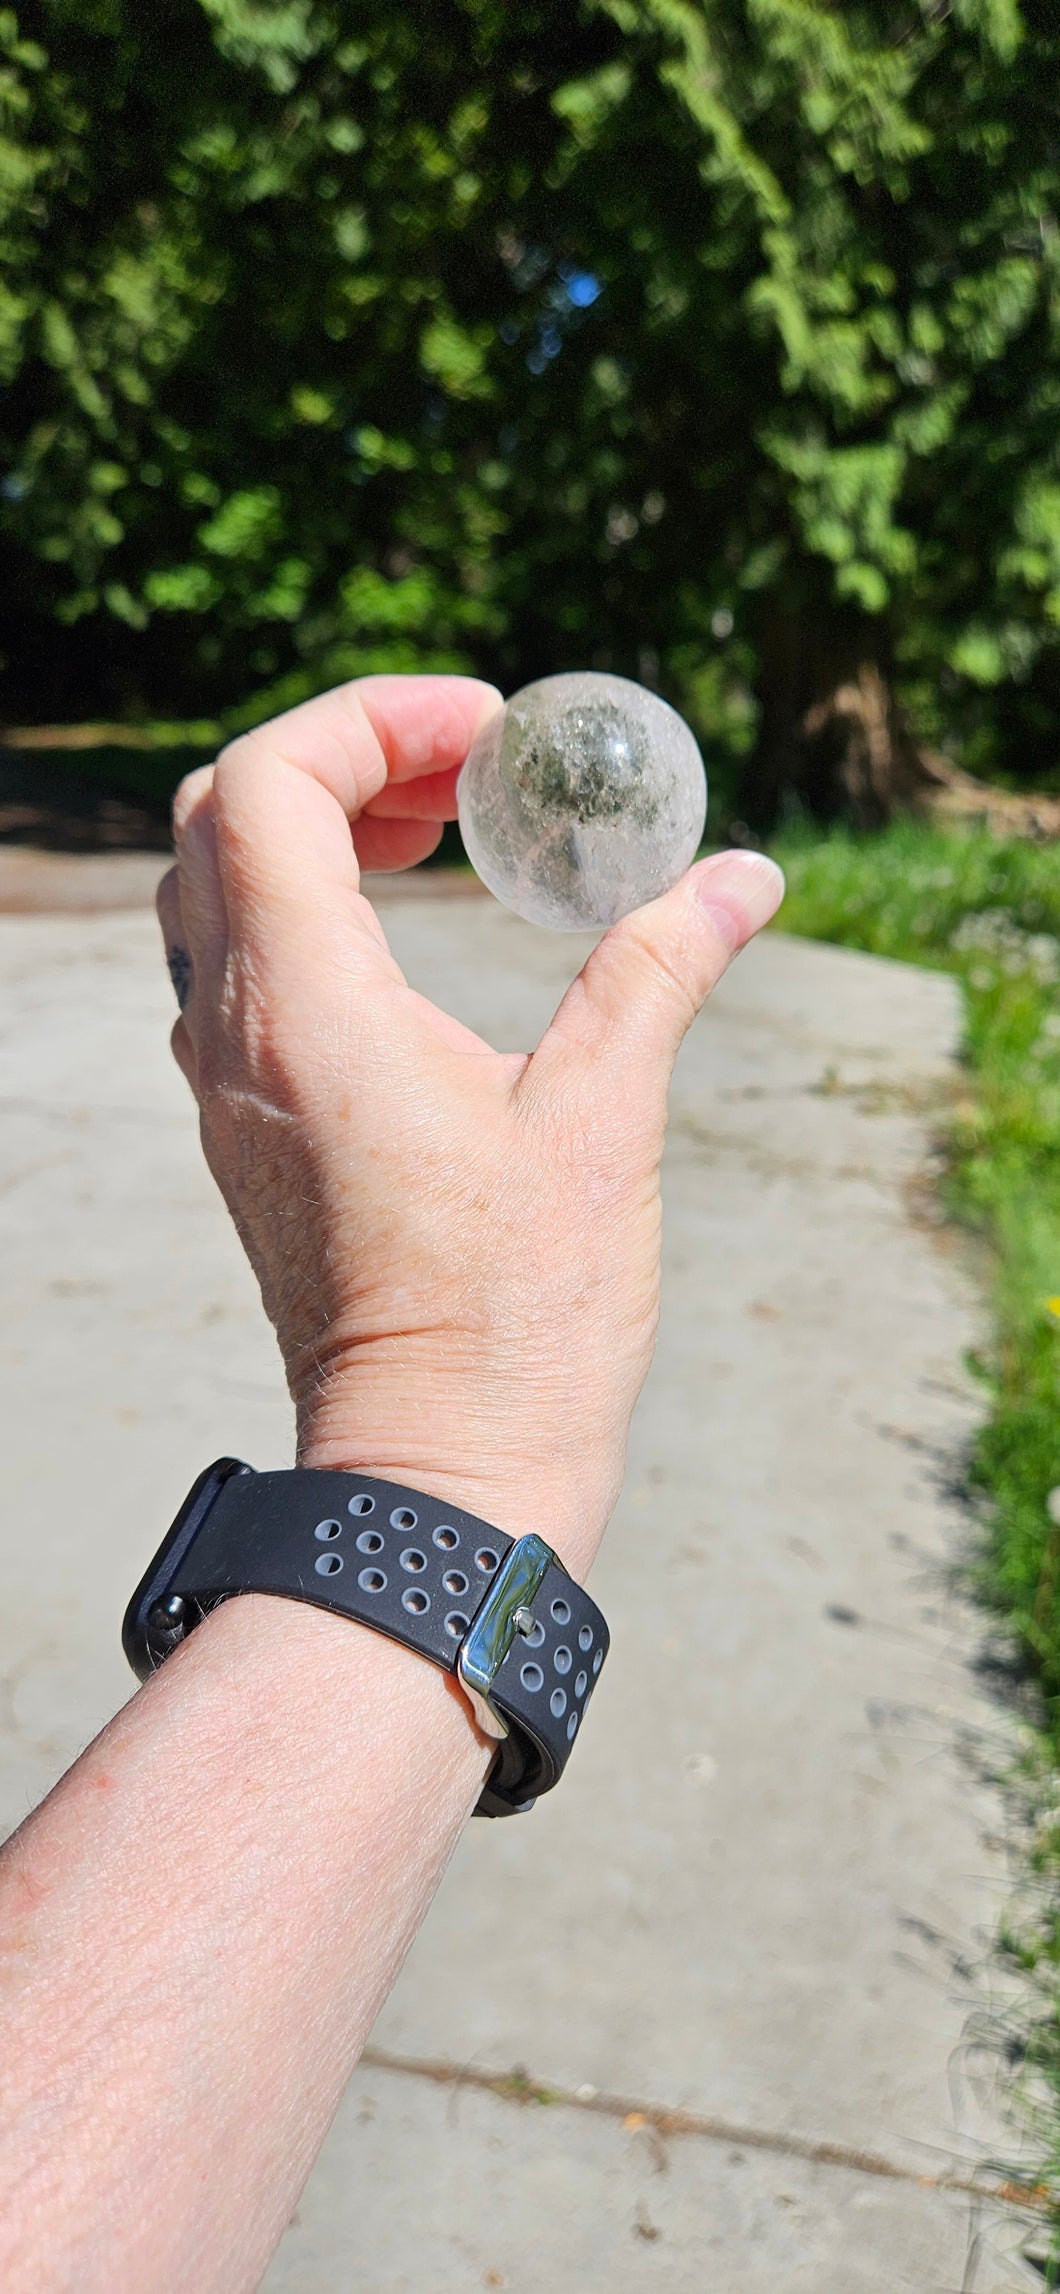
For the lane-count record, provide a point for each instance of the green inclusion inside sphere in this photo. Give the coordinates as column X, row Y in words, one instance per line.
column 583, row 797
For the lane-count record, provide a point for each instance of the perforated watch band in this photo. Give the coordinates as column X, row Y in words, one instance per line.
column 524, row 1640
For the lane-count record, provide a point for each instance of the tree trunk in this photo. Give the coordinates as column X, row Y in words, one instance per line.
column 833, row 738
column 831, row 734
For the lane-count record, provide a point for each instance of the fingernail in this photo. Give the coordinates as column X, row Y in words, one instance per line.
column 738, row 892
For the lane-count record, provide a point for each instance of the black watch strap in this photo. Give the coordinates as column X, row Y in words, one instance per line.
column 523, row 1639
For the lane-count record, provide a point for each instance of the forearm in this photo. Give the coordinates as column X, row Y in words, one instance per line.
column 196, row 1932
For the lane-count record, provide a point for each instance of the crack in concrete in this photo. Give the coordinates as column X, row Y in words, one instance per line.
column 519, row 2086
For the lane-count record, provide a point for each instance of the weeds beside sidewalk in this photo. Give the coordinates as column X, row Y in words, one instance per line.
column 989, row 912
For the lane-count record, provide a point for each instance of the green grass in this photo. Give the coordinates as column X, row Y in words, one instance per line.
column 989, row 912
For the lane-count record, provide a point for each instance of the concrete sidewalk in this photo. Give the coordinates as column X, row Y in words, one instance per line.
column 697, row 2023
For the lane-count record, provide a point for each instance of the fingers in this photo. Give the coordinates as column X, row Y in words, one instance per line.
column 179, row 965
column 431, row 797
column 174, row 936
column 284, row 796
column 383, row 844
column 198, row 867
column 623, row 1019
column 426, row 725
column 264, row 847
column 192, row 913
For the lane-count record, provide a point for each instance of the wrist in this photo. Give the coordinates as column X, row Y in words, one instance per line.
column 516, row 1484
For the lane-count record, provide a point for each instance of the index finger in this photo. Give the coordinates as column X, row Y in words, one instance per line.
column 284, row 795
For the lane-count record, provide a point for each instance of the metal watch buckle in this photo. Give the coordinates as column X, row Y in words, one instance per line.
column 504, row 1613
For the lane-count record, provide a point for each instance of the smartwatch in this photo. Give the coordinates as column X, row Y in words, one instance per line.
column 501, row 1614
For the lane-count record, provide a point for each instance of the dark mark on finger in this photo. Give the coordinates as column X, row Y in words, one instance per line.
column 179, row 963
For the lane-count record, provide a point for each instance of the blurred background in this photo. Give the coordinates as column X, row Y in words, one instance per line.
column 716, row 345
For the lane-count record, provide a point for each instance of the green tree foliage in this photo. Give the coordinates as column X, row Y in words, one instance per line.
column 714, row 340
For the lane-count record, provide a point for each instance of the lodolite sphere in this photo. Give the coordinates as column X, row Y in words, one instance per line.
column 582, row 798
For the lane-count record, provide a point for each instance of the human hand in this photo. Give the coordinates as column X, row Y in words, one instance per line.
column 458, row 1248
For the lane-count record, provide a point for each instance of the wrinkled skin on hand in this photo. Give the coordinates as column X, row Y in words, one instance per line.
column 458, row 1248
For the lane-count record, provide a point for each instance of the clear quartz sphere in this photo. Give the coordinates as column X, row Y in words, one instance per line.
column 582, row 798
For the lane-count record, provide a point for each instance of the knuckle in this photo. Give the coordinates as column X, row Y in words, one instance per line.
column 660, row 968
column 167, row 897
column 232, row 756
column 243, row 1042
column 192, row 792
column 183, row 1050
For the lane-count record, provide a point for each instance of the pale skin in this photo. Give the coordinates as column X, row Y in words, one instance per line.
column 459, row 1252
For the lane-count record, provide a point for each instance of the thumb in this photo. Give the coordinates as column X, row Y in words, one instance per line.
column 632, row 1002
